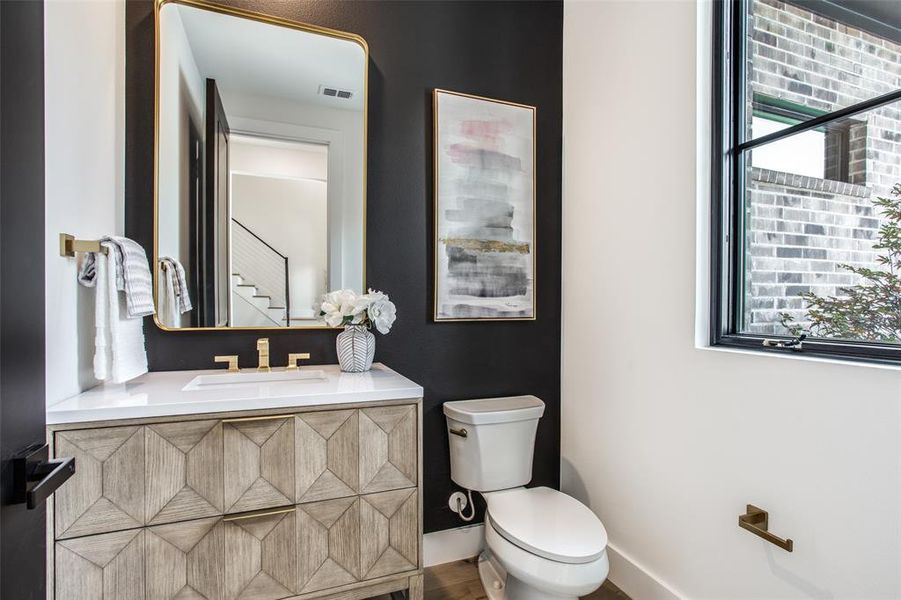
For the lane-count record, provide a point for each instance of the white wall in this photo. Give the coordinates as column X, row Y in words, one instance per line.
column 182, row 94
column 668, row 442
column 84, row 75
column 290, row 215
column 274, row 158
column 343, row 131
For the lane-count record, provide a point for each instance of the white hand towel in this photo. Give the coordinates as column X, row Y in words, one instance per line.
column 119, row 353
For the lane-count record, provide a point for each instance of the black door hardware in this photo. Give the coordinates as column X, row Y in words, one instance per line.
column 37, row 476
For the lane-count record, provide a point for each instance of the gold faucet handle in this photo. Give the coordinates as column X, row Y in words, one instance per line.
column 232, row 361
column 263, row 350
column 293, row 358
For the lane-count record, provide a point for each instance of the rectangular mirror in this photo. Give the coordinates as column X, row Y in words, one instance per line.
column 260, row 167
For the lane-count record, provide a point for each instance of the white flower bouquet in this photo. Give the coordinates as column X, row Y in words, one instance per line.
column 357, row 313
column 347, row 307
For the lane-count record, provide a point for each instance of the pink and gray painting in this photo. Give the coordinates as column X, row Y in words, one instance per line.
column 485, row 209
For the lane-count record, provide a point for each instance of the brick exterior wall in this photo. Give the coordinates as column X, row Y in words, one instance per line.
column 800, row 229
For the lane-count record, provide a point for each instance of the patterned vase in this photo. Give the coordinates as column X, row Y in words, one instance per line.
column 356, row 348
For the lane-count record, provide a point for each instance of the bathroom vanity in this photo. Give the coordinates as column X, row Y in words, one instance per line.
column 204, row 484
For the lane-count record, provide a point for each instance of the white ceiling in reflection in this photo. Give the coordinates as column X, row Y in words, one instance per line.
column 248, row 57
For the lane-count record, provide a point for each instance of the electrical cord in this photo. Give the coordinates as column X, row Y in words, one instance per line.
column 472, row 508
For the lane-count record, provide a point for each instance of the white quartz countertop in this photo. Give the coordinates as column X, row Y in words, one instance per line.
column 162, row 394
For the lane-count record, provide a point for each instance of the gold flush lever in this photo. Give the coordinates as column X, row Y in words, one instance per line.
column 756, row 520
column 232, row 361
column 293, row 358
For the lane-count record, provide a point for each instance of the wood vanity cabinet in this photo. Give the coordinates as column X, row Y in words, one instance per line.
column 306, row 504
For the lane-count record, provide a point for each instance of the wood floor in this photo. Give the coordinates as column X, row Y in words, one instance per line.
column 460, row 581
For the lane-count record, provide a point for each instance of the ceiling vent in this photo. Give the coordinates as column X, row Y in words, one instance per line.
column 334, row 92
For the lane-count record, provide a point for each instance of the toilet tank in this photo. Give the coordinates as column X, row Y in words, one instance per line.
column 492, row 441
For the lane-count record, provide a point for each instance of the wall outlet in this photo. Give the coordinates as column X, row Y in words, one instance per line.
column 458, row 502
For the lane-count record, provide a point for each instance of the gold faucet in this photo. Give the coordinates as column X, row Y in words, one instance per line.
column 263, row 350
column 293, row 358
column 232, row 361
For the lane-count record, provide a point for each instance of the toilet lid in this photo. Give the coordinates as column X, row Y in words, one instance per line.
column 547, row 523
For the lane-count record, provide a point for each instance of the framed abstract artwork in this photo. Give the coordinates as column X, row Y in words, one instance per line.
column 484, row 208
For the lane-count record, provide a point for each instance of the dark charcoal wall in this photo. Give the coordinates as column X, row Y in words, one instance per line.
column 22, row 535
column 503, row 50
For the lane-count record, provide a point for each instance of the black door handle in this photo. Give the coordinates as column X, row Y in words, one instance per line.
column 50, row 475
column 37, row 476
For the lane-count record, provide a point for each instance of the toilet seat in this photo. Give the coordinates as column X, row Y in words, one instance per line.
column 547, row 523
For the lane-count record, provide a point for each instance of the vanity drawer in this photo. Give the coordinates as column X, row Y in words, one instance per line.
column 109, row 566
column 388, row 448
column 327, row 444
column 328, row 540
column 351, row 539
column 389, row 533
column 183, row 471
column 107, row 491
column 127, row 477
column 252, row 556
column 258, row 468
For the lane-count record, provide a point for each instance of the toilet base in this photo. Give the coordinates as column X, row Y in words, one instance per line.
column 500, row 585
column 492, row 576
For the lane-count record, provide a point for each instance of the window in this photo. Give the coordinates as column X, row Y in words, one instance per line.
column 804, row 153
column 807, row 179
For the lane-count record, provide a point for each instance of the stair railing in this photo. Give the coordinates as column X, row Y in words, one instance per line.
column 261, row 265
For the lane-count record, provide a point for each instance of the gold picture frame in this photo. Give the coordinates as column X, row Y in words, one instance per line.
column 487, row 246
column 272, row 20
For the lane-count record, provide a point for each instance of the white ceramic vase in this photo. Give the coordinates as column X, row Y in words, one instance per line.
column 356, row 349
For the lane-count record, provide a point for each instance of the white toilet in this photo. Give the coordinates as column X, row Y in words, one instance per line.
column 540, row 543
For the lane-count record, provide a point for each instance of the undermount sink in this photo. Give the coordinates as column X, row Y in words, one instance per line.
column 254, row 376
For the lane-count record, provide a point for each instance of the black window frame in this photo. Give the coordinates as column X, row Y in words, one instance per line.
column 729, row 149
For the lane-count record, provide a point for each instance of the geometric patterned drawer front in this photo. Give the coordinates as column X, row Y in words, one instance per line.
column 101, row 567
column 258, row 463
column 389, row 533
column 388, row 448
column 328, row 543
column 327, row 446
column 107, row 491
column 261, row 553
column 252, row 558
column 184, row 560
column 183, row 471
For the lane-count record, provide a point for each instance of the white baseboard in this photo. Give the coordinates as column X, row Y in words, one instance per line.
column 446, row 546
column 636, row 581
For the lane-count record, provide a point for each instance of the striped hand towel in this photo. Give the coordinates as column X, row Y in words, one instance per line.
column 175, row 279
column 132, row 274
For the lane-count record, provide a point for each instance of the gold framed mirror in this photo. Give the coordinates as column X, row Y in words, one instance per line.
column 260, row 136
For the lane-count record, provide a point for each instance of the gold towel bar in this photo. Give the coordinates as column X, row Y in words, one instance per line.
column 756, row 520
column 68, row 245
